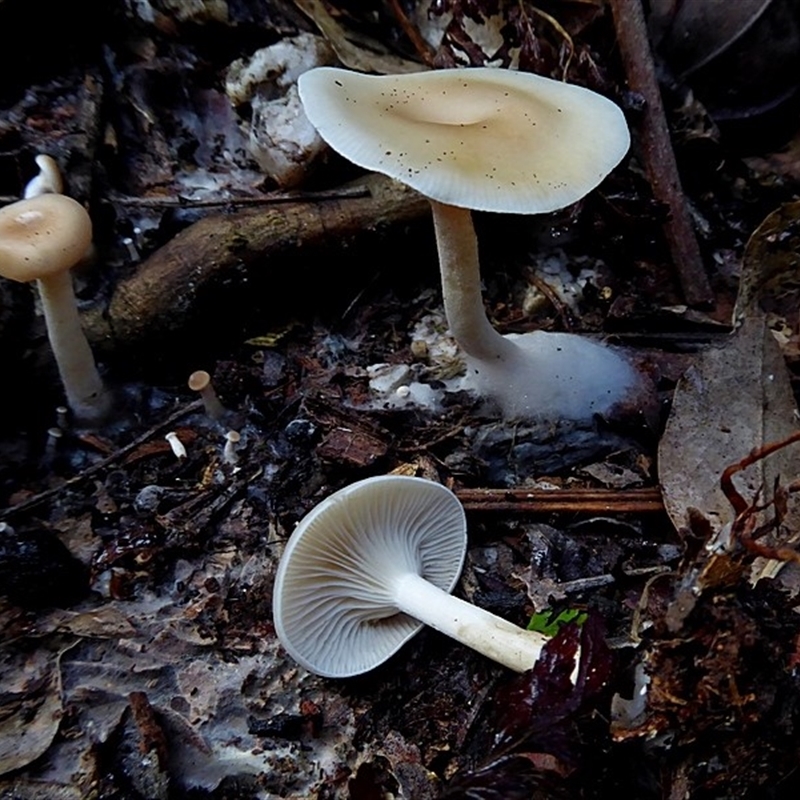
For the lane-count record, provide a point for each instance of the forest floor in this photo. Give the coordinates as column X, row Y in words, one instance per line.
column 139, row 657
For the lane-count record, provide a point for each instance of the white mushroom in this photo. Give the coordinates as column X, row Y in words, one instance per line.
column 366, row 568
column 48, row 180
column 176, row 445
column 491, row 140
column 41, row 239
column 229, row 451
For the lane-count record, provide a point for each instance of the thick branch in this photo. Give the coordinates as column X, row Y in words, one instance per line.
column 205, row 277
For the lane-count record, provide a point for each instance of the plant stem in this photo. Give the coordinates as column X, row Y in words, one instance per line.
column 657, row 152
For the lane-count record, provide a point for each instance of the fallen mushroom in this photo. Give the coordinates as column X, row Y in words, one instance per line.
column 367, row 567
column 41, row 239
column 491, row 140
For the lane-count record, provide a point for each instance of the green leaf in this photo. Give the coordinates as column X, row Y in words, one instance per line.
column 549, row 623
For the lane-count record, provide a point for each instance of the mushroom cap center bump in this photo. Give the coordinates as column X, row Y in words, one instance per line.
column 480, row 138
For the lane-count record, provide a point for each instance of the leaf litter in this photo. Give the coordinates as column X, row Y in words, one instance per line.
column 167, row 680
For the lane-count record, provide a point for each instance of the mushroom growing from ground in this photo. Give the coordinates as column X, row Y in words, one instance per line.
column 490, row 140
column 47, row 181
column 367, row 567
column 41, row 239
column 200, row 382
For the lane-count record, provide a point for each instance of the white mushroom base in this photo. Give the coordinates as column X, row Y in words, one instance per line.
column 553, row 375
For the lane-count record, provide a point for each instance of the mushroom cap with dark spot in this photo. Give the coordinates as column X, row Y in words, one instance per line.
column 42, row 236
column 482, row 138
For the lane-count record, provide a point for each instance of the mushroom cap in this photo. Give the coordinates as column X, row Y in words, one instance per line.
column 333, row 604
column 42, row 236
column 199, row 380
column 482, row 138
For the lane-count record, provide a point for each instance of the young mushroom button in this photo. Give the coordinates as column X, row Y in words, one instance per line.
column 366, row 568
column 489, row 140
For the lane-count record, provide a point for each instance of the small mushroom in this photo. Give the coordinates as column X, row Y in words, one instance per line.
column 491, row 140
column 41, row 239
column 229, row 451
column 367, row 567
column 176, row 445
column 48, row 180
column 200, row 382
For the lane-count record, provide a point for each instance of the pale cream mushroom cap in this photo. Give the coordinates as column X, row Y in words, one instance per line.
column 484, row 139
column 42, row 236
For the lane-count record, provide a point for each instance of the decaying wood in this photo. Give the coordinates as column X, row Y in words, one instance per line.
column 207, row 268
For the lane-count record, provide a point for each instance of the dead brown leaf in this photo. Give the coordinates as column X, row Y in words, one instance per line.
column 30, row 703
column 769, row 281
column 736, row 397
column 358, row 53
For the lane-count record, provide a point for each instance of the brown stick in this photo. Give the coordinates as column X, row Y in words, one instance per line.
column 207, row 266
column 424, row 50
column 179, row 201
column 585, row 501
column 657, row 152
column 117, row 455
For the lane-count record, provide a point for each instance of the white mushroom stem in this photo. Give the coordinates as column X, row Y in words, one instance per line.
column 200, row 382
column 86, row 394
column 529, row 375
column 229, row 454
column 492, row 636
column 461, row 285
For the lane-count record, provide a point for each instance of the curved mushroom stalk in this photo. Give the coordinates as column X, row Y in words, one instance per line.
column 83, row 387
column 532, row 375
column 459, row 266
column 368, row 566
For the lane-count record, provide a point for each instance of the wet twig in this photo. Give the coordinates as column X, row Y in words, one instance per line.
column 657, row 152
column 49, row 494
column 424, row 50
column 586, row 501
column 221, row 259
column 177, row 201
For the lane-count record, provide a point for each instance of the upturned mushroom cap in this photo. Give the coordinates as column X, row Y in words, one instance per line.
column 484, row 139
column 332, row 608
column 42, row 236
